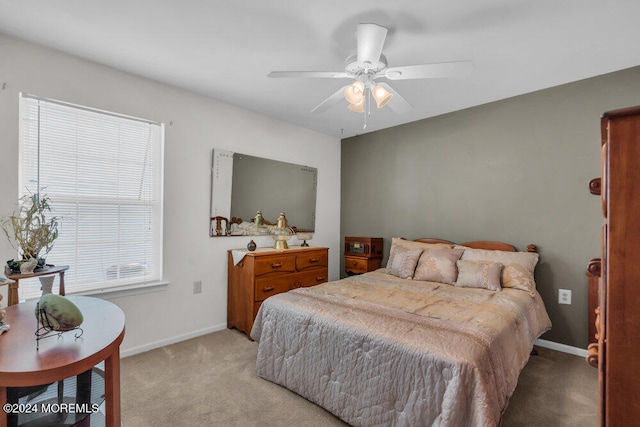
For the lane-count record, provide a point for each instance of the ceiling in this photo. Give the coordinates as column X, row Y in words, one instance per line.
column 225, row 49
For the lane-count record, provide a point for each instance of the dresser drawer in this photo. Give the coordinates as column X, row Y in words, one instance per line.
column 267, row 286
column 272, row 264
column 359, row 265
column 355, row 265
column 311, row 260
column 311, row 278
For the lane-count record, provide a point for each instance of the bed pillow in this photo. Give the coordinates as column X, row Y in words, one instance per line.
column 479, row 274
column 402, row 261
column 438, row 265
column 517, row 271
column 410, row 244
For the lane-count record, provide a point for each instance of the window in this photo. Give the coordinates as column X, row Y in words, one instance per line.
column 103, row 174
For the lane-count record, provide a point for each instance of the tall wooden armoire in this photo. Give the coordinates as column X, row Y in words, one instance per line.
column 617, row 273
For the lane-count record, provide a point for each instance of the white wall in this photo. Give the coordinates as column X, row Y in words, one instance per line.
column 194, row 125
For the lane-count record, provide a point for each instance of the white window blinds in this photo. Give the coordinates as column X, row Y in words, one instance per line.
column 103, row 174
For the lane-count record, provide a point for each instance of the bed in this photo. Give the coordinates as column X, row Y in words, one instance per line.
column 437, row 337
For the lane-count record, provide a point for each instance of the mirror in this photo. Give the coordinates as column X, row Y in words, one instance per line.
column 241, row 185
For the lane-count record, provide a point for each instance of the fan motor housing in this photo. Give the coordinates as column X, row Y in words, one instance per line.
column 356, row 68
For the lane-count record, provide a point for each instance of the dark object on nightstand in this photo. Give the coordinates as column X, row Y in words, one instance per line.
column 362, row 254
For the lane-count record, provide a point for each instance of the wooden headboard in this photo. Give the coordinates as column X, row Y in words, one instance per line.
column 480, row 244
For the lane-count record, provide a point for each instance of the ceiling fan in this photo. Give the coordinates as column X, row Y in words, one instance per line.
column 369, row 65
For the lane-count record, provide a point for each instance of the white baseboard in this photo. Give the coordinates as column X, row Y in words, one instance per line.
column 172, row 340
column 562, row 347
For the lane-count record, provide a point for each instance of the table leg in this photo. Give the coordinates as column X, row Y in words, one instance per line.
column 112, row 389
column 13, row 293
column 83, row 395
column 3, row 400
column 61, row 283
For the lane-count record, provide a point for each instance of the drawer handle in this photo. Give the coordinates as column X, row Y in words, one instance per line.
column 593, row 354
column 267, row 289
column 595, row 267
column 595, row 186
column 313, row 260
column 355, row 263
column 276, row 265
column 320, row 279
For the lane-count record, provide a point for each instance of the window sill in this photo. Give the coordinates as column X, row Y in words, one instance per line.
column 124, row 291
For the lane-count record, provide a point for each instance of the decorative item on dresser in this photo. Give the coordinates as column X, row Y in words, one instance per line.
column 281, row 233
column 304, row 236
column 614, row 278
column 255, row 276
column 362, row 254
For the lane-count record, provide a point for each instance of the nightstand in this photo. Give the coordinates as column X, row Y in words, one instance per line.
column 362, row 254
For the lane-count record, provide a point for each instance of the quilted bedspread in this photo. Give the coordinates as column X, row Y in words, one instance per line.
column 378, row 350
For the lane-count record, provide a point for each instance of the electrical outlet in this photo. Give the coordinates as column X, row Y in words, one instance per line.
column 197, row 286
column 564, row 296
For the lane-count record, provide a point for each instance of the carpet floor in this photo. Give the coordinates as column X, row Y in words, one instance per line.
column 211, row 381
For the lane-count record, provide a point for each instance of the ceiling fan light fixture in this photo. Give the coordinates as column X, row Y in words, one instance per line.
column 355, row 93
column 381, row 95
column 357, row 107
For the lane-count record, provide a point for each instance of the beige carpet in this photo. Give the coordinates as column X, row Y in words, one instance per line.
column 212, row 381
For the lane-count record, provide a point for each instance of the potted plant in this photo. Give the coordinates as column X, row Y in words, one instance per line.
column 31, row 230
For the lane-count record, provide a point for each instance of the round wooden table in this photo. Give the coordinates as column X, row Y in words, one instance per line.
column 21, row 364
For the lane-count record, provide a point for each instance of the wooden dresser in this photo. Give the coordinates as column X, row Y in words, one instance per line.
column 616, row 274
column 266, row 272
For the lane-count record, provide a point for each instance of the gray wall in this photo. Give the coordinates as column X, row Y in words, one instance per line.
column 514, row 170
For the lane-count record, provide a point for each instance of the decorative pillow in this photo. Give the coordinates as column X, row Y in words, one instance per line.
column 402, row 261
column 479, row 274
column 517, row 269
column 410, row 244
column 438, row 265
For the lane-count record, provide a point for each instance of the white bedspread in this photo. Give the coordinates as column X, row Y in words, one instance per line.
column 378, row 350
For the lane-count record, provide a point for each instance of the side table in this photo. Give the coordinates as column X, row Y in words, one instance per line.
column 47, row 271
column 22, row 365
column 362, row 254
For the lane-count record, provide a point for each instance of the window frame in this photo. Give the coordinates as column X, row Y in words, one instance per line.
column 153, row 203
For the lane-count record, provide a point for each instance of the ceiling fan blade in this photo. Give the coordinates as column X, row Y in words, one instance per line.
column 429, row 71
column 330, row 101
column 310, row 74
column 398, row 104
column 370, row 42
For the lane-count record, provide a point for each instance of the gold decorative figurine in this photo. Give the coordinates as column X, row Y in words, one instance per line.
column 281, row 233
